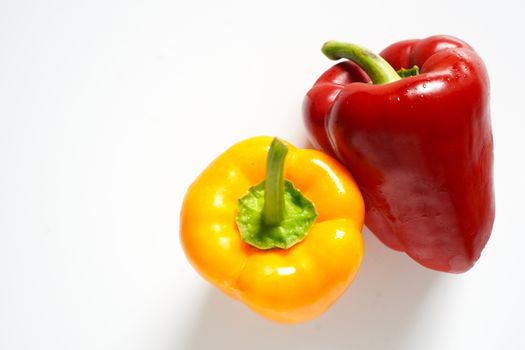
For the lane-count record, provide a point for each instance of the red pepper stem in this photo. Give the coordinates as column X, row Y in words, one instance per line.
column 379, row 70
column 273, row 210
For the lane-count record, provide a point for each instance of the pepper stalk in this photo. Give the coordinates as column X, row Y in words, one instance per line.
column 274, row 213
column 377, row 68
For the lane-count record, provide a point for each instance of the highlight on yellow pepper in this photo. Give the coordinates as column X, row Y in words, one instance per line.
column 276, row 227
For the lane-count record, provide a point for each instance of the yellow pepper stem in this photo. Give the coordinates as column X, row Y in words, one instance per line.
column 274, row 214
column 273, row 210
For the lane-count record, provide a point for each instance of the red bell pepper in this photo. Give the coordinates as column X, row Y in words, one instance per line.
column 420, row 147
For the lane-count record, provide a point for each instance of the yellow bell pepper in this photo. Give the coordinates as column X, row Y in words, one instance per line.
column 287, row 249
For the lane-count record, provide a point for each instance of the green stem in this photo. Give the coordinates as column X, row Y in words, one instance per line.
column 379, row 70
column 273, row 210
column 274, row 214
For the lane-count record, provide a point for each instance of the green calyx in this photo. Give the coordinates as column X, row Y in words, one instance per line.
column 408, row 72
column 299, row 215
column 379, row 70
column 275, row 214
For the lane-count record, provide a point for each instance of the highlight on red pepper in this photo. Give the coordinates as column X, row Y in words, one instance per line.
column 413, row 127
column 276, row 227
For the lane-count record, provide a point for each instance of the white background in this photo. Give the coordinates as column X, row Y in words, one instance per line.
column 110, row 109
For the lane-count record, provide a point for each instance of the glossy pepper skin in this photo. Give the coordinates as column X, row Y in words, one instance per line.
column 420, row 148
column 285, row 285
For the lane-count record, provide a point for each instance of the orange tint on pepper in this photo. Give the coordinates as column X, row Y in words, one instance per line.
column 285, row 285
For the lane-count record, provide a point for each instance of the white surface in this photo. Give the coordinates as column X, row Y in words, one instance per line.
column 108, row 111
